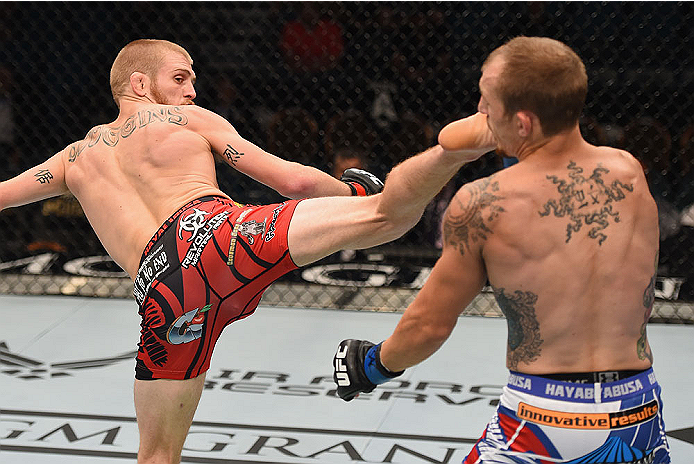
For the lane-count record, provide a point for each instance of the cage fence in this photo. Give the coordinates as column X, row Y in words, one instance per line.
column 325, row 82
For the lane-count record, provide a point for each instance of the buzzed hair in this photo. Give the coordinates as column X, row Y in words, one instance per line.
column 543, row 76
column 142, row 55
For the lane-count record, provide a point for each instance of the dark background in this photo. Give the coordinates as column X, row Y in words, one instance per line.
column 311, row 80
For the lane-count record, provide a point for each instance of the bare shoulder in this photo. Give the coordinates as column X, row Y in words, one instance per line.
column 201, row 118
column 197, row 112
column 470, row 216
column 625, row 156
column 75, row 149
column 593, row 191
column 620, row 166
column 630, row 168
column 620, row 161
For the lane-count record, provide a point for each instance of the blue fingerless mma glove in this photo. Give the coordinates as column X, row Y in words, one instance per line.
column 357, row 368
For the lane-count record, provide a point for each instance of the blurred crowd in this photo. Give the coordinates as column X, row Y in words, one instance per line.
column 342, row 88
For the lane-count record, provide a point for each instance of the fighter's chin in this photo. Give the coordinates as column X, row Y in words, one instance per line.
column 501, row 152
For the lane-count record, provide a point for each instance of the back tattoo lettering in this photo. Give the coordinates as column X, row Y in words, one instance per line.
column 586, row 200
column 112, row 135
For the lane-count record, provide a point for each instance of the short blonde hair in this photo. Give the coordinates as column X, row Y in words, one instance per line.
column 544, row 76
column 142, row 55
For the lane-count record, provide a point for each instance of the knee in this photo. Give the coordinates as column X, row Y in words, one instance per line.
column 158, row 457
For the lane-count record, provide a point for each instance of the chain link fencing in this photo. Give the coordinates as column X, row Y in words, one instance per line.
column 328, row 83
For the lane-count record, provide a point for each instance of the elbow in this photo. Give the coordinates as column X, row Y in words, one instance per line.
column 296, row 187
column 428, row 330
column 435, row 327
column 298, row 183
column 436, row 335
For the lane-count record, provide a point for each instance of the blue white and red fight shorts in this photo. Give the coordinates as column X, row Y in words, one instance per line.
column 206, row 267
column 540, row 420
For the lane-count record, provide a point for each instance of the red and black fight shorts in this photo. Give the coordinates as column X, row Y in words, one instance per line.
column 206, row 267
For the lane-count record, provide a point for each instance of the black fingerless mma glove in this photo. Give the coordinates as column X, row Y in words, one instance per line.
column 361, row 182
column 357, row 368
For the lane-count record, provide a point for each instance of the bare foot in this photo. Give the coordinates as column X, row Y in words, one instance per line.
column 469, row 135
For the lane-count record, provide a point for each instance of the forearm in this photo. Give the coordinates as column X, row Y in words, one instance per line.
column 412, row 184
column 288, row 178
column 412, row 342
column 429, row 320
column 35, row 184
column 310, row 182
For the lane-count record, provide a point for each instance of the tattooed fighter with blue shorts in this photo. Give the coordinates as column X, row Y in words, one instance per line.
column 568, row 240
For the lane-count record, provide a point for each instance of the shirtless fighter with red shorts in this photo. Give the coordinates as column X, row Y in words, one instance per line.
column 199, row 261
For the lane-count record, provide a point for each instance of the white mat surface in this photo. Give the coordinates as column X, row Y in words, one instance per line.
column 66, row 378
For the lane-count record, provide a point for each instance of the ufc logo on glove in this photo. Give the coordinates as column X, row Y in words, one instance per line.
column 357, row 368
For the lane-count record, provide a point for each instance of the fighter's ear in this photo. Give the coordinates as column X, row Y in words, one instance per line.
column 526, row 122
column 139, row 82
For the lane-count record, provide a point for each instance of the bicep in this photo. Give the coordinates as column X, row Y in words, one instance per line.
column 38, row 183
column 460, row 273
column 432, row 316
column 453, row 283
column 242, row 155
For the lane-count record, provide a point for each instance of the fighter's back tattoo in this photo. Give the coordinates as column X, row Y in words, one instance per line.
column 524, row 339
column 586, row 201
column 643, row 350
column 111, row 135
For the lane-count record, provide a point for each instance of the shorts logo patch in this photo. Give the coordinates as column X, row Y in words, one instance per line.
column 235, row 234
column 271, row 228
column 191, row 223
column 589, row 421
column 250, row 228
column 200, row 237
column 187, row 327
column 152, row 267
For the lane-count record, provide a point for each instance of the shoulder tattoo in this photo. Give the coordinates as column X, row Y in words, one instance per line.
column 523, row 328
column 586, row 201
column 110, row 136
column 473, row 222
column 642, row 348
